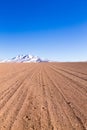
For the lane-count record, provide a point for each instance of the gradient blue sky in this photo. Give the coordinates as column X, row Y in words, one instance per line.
column 53, row 29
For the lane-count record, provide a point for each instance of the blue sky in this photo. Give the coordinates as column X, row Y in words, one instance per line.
column 53, row 29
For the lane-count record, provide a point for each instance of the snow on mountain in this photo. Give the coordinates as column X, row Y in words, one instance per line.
column 24, row 59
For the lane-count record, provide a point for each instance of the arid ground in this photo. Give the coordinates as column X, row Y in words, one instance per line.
column 43, row 96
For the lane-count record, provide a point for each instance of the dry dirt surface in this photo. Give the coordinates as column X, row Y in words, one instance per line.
column 43, row 96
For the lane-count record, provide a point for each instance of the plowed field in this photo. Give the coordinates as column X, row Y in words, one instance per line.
column 43, row 96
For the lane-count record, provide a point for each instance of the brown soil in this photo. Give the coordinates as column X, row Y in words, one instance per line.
column 43, row 96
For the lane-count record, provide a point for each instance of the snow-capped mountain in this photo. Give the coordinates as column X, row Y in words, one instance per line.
column 24, row 59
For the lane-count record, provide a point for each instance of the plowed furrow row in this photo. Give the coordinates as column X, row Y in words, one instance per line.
column 79, row 82
column 26, row 115
column 68, row 111
column 15, row 78
column 45, row 115
column 73, row 97
column 68, row 84
column 72, row 71
column 55, row 109
column 11, row 99
column 11, row 117
column 71, row 76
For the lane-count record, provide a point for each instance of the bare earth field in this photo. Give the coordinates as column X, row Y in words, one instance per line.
column 43, row 96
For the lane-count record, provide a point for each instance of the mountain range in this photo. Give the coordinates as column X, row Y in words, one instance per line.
column 24, row 59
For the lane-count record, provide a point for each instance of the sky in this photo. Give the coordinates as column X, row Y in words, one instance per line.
column 51, row 29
